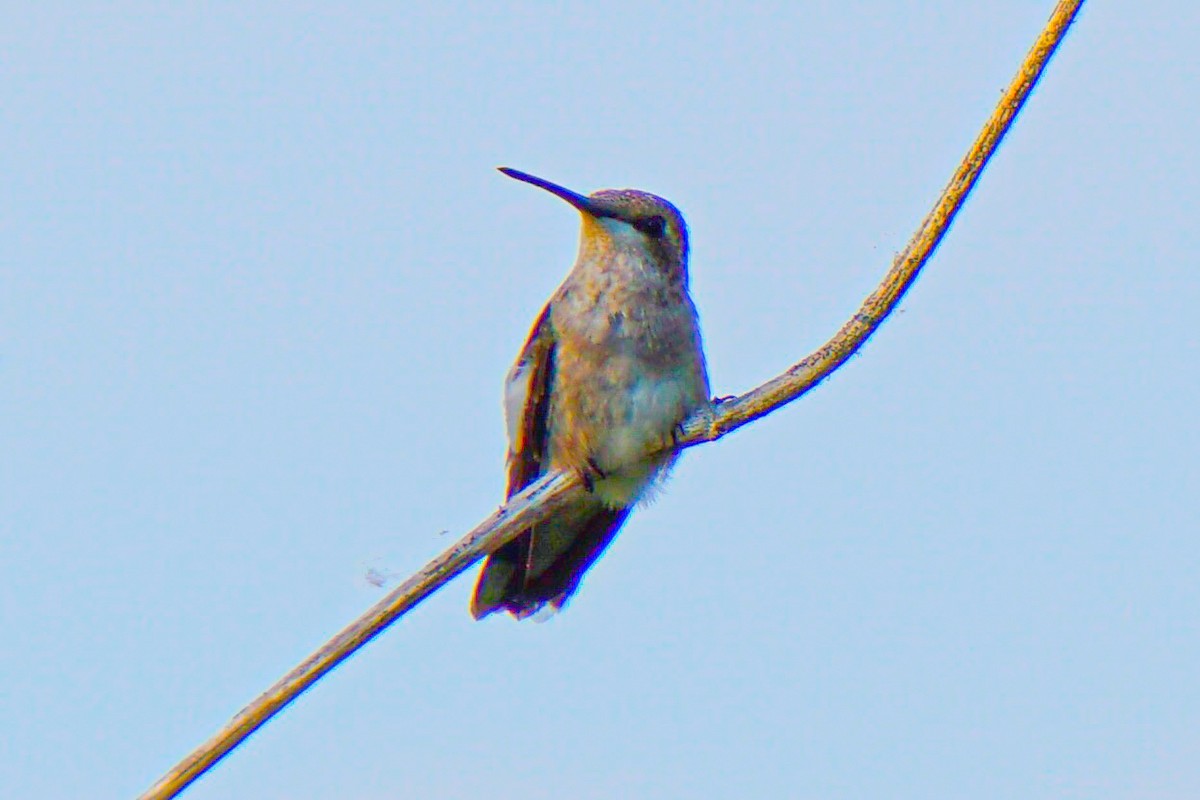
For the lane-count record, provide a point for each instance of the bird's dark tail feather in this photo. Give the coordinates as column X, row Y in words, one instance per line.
column 505, row 584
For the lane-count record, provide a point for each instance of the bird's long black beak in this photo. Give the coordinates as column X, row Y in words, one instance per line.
column 580, row 201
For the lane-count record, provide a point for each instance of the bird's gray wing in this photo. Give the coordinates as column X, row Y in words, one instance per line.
column 527, row 405
column 526, row 412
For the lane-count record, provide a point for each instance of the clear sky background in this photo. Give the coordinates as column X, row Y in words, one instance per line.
column 259, row 287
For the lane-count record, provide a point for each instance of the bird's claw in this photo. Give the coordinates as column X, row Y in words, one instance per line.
column 677, row 433
column 590, row 474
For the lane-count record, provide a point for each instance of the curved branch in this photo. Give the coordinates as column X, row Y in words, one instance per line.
column 548, row 495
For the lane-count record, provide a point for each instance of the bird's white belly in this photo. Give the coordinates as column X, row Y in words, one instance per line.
column 644, row 417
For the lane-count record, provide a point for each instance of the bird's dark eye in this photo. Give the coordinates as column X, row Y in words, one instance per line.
column 652, row 226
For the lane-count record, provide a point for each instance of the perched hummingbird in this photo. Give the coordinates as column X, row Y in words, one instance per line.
column 613, row 365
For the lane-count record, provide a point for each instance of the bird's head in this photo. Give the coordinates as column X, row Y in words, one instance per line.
column 627, row 220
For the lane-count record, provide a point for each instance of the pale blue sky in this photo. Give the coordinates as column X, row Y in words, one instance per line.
column 259, row 286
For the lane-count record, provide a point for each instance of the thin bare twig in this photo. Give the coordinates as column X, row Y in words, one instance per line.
column 548, row 495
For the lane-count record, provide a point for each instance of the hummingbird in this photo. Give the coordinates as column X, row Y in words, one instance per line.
column 612, row 367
